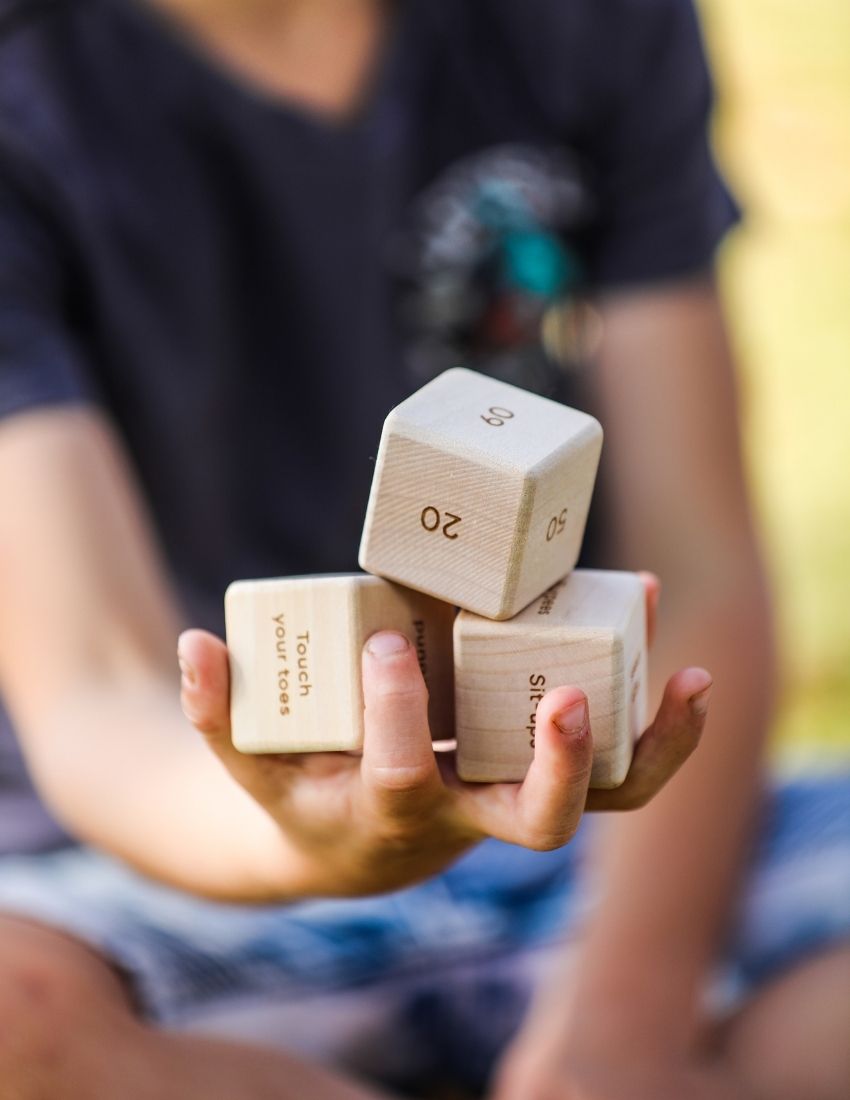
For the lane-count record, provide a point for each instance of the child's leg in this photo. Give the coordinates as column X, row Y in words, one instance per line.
column 68, row 1032
column 792, row 1040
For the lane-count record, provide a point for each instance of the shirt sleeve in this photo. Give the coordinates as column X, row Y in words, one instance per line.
column 40, row 363
column 662, row 206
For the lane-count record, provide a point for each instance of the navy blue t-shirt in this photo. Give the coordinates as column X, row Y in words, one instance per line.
column 246, row 288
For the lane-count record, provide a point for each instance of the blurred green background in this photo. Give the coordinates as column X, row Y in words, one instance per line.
column 782, row 69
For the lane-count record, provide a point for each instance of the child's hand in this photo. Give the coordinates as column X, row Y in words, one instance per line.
column 399, row 813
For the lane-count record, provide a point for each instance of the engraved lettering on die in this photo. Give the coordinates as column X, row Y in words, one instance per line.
column 421, row 648
column 282, row 668
column 496, row 416
column 304, row 685
column 635, row 679
column 430, row 519
column 537, row 683
column 547, row 600
column 556, row 525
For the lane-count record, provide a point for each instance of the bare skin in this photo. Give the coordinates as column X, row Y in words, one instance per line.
column 788, row 1042
column 101, row 679
column 96, row 702
column 61, row 1007
column 400, row 785
column 629, row 1022
column 68, row 1031
column 318, row 54
column 86, row 661
column 792, row 1040
column 87, row 667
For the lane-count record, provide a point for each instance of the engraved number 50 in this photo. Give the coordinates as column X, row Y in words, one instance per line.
column 556, row 525
column 431, row 518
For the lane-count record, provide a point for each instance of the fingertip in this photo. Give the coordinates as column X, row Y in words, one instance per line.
column 652, row 591
column 687, row 693
column 188, row 675
column 386, row 645
column 565, row 709
column 391, row 668
column 195, row 644
column 699, row 700
column 569, row 712
column 205, row 680
column 563, row 743
column 690, row 682
column 201, row 651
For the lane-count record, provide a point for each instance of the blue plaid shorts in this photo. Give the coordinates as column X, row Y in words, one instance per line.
column 447, row 967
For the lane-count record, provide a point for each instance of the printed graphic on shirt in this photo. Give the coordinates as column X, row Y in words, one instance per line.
column 485, row 257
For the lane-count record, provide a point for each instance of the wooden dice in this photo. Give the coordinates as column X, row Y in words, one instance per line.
column 588, row 630
column 481, row 493
column 295, row 646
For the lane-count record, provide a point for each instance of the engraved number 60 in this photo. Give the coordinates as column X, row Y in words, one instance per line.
column 431, row 518
column 497, row 416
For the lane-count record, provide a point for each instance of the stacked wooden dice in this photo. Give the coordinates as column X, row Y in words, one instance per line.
column 479, row 501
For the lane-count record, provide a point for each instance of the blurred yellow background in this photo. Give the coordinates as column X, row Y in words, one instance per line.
column 782, row 69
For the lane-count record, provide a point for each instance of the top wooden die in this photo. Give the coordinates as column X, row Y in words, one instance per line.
column 481, row 493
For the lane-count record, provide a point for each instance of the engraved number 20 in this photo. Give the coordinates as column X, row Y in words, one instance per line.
column 431, row 520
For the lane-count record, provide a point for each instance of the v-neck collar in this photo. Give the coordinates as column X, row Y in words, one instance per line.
column 191, row 53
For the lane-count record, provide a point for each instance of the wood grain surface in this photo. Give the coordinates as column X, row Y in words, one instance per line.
column 295, row 646
column 588, row 630
column 481, row 493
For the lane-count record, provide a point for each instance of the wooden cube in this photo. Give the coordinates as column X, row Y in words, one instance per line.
column 481, row 493
column 295, row 645
column 588, row 630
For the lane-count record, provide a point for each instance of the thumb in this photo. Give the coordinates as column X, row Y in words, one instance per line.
column 399, row 767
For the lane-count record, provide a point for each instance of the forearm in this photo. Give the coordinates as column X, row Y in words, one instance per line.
column 88, row 670
column 679, row 506
column 123, row 770
column 668, row 873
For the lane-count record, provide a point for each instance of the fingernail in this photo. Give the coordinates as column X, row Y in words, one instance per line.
column 186, row 671
column 387, row 644
column 572, row 719
column 699, row 702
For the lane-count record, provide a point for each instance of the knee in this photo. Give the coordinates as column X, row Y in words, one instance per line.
column 794, row 1038
column 50, row 988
